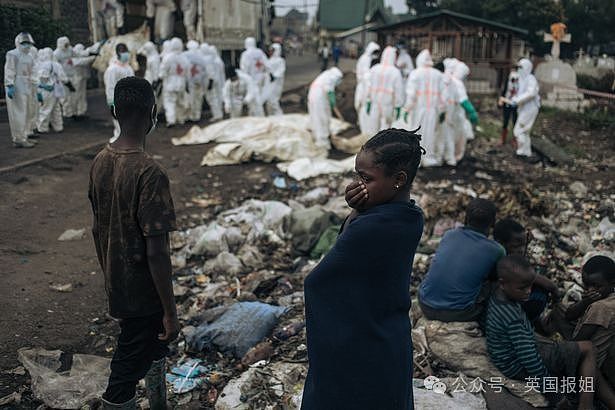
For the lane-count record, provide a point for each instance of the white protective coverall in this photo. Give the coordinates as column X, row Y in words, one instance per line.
column 219, row 78
column 64, row 55
column 425, row 103
column 51, row 79
column 464, row 131
column 319, row 105
column 152, row 68
column 238, row 92
column 198, row 79
column 405, row 65
column 19, row 81
column 384, row 96
column 253, row 62
column 189, row 8
column 364, row 63
column 174, row 72
column 34, row 104
column 113, row 12
column 82, row 62
column 276, row 66
column 114, row 73
column 162, row 13
column 528, row 103
column 445, row 148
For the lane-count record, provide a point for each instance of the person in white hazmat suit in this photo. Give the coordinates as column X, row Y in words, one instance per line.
column 239, row 90
column 384, row 97
column 119, row 67
column 18, row 85
column 527, row 102
column 174, row 72
column 64, row 55
column 160, row 16
column 82, row 62
column 455, row 130
column 113, row 13
column 199, row 79
column 253, row 62
column 214, row 90
column 152, row 69
column 404, row 63
column 33, row 100
column 321, row 103
column 425, row 104
column 364, row 63
column 276, row 66
column 189, row 9
column 51, row 79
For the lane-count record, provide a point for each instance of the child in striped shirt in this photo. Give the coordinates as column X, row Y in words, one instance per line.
column 512, row 345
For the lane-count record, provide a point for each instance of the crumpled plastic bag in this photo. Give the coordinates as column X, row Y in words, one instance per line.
column 325, row 242
column 306, row 226
column 225, row 263
column 71, row 389
column 240, row 328
column 259, row 215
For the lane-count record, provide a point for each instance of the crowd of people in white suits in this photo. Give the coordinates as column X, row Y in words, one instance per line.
column 391, row 91
column 45, row 86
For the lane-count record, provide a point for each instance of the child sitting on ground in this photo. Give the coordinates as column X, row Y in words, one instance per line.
column 597, row 313
column 514, row 350
column 514, row 238
column 456, row 288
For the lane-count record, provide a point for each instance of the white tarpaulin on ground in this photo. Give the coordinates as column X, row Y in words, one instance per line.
column 304, row 168
column 246, row 128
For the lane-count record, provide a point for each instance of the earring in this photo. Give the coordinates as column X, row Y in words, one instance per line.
column 396, row 186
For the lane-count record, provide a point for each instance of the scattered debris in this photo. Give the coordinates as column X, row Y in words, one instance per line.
column 72, row 235
column 62, row 288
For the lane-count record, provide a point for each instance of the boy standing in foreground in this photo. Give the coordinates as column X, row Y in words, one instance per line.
column 133, row 214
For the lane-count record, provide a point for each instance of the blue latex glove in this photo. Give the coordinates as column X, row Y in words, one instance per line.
column 47, row 87
column 406, row 116
column 39, row 97
column 331, row 96
column 10, row 91
column 397, row 112
column 469, row 109
column 368, row 107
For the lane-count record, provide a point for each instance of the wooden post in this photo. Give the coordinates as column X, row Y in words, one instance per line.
column 457, row 52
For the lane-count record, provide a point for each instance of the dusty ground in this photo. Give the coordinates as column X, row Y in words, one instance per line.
column 41, row 201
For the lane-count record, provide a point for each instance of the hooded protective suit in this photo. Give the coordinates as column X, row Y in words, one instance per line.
column 51, row 77
column 321, row 99
column 174, row 73
column 215, row 102
column 404, row 63
column 253, row 62
column 162, row 13
column 34, row 103
column 364, row 63
column 113, row 12
column 384, row 97
column 82, row 63
column 64, row 55
column 237, row 92
column 19, row 82
column 456, row 129
column 114, row 73
column 213, row 90
column 198, row 79
column 528, row 104
column 189, row 8
column 153, row 61
column 425, row 103
column 276, row 66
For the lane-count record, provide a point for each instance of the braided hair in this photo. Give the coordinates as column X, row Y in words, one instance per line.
column 396, row 150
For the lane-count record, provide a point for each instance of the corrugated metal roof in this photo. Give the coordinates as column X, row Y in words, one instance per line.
column 437, row 13
column 335, row 15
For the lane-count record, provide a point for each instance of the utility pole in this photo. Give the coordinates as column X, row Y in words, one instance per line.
column 365, row 4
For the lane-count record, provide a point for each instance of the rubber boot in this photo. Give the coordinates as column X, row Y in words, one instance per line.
column 129, row 405
column 155, row 385
column 503, row 136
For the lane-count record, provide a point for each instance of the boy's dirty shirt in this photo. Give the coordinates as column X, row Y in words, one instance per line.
column 602, row 314
column 131, row 200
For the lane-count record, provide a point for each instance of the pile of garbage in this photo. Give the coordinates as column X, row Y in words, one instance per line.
column 239, row 279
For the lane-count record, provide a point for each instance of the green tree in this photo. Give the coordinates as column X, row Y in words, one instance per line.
column 422, row 6
column 590, row 22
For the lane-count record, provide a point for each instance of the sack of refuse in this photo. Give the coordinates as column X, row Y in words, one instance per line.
column 61, row 386
column 240, row 328
column 306, row 227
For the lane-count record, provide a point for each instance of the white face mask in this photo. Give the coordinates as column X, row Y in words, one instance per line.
column 154, row 119
column 25, row 47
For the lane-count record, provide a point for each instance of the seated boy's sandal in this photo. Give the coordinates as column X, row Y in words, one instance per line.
column 155, row 385
column 129, row 405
